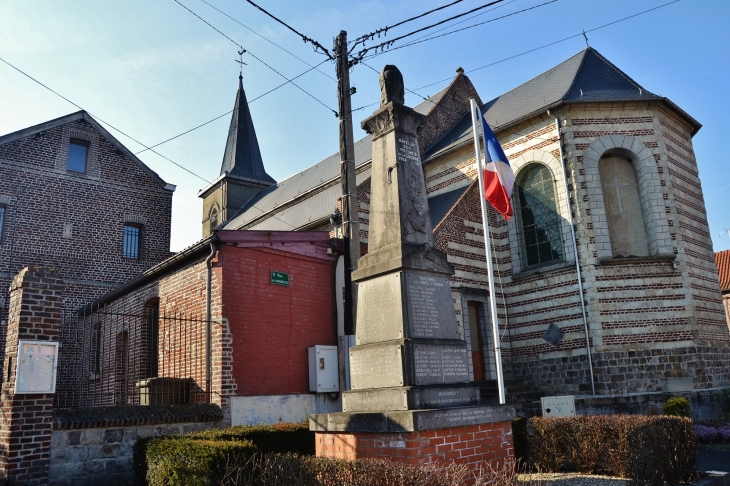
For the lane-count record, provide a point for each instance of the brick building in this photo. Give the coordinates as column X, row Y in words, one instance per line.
column 647, row 308
column 74, row 198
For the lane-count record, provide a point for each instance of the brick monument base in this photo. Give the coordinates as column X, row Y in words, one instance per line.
column 472, row 445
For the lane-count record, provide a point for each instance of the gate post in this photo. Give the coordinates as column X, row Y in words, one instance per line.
column 26, row 420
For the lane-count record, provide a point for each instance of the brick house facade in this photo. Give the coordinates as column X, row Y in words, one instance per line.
column 652, row 315
column 722, row 260
column 74, row 218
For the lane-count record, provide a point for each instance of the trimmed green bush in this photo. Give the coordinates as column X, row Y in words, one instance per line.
column 182, row 461
column 648, row 450
column 677, row 406
column 278, row 438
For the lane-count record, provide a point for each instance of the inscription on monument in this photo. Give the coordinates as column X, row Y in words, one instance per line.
column 463, row 416
column 430, row 307
column 435, row 363
column 376, row 367
column 380, row 310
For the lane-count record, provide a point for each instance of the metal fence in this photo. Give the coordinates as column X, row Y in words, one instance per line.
column 110, row 356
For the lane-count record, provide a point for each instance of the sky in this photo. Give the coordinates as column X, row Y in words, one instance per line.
column 154, row 70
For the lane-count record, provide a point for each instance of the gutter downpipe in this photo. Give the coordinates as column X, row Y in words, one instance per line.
column 208, row 315
column 575, row 251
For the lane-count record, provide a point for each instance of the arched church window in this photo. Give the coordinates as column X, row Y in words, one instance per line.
column 626, row 228
column 213, row 218
column 541, row 238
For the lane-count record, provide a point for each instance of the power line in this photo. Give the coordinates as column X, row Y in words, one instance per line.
column 266, row 38
column 316, row 44
column 128, row 136
column 555, row 42
column 362, row 53
column 257, row 58
column 228, row 112
column 384, row 30
column 427, row 38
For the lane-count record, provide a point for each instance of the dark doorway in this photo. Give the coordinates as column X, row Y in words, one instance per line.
column 475, row 339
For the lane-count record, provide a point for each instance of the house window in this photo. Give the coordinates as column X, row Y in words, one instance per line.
column 78, row 151
column 2, row 221
column 540, row 223
column 132, row 238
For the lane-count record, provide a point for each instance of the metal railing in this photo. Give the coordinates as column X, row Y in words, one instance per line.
column 112, row 356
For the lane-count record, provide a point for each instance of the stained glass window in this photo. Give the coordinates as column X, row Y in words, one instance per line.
column 541, row 234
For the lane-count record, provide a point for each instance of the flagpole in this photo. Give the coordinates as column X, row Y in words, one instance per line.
column 488, row 246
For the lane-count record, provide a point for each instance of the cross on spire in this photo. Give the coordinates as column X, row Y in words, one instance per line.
column 240, row 61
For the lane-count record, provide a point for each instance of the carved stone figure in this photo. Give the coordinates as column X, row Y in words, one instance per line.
column 391, row 85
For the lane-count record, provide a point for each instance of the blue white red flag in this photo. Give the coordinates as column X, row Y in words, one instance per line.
column 499, row 179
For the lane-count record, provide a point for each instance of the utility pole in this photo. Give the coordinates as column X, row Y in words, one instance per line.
column 350, row 219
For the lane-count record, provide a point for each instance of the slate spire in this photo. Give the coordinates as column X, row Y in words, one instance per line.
column 242, row 156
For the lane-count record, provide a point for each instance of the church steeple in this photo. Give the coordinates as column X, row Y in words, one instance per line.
column 243, row 156
column 242, row 173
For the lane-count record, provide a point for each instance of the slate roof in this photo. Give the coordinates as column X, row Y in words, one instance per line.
column 83, row 115
column 722, row 260
column 242, row 156
column 585, row 77
column 319, row 182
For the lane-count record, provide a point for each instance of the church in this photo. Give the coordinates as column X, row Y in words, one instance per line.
column 606, row 277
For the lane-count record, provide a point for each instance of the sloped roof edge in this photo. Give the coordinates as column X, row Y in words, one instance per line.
column 84, row 115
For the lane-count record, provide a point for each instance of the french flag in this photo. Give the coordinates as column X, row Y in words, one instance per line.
column 499, row 179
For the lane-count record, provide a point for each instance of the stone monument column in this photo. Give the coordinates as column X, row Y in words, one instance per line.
column 409, row 369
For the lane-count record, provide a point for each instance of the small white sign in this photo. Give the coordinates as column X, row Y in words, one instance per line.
column 36, row 368
column 558, row 406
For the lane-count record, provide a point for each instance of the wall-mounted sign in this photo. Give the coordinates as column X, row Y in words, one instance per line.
column 36, row 368
column 280, row 278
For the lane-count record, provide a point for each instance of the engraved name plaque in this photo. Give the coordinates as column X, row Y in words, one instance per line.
column 36, row 369
column 376, row 366
column 430, row 307
column 437, row 364
column 380, row 309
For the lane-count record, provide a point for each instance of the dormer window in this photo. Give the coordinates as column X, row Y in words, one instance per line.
column 78, row 151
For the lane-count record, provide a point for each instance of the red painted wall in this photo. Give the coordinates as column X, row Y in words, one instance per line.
column 272, row 326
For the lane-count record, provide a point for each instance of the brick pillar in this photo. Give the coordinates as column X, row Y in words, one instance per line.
column 26, row 420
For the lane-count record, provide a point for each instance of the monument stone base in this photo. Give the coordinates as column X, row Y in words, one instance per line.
column 471, row 436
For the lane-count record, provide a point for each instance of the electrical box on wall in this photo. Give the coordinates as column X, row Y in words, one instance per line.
column 323, row 369
column 558, row 406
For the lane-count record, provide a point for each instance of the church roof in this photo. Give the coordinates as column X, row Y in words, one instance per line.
column 319, row 184
column 585, row 77
column 722, row 260
column 83, row 115
column 243, row 156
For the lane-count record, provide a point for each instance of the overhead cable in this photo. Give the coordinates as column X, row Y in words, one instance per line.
column 316, row 44
column 427, row 38
column 579, row 34
column 129, row 136
column 257, row 58
column 381, row 46
column 266, row 38
column 384, row 30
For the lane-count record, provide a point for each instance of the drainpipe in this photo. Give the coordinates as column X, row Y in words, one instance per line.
column 575, row 252
column 208, row 324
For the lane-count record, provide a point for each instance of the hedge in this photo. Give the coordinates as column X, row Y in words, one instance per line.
column 279, row 438
column 646, row 450
column 193, row 462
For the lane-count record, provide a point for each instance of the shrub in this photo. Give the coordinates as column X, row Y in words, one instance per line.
column 677, row 406
column 706, row 434
column 646, row 450
column 279, row 438
column 192, row 462
column 519, row 438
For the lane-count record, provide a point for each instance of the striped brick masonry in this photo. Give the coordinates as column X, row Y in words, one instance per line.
column 36, row 297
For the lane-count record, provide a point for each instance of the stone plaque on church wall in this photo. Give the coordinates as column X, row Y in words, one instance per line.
column 376, row 366
column 380, row 309
column 440, row 364
column 430, row 307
